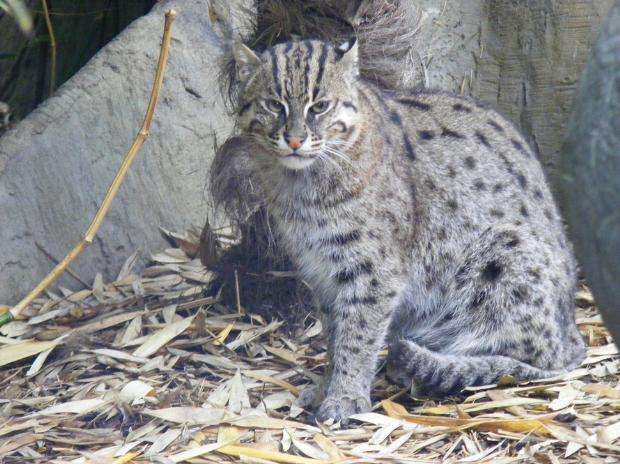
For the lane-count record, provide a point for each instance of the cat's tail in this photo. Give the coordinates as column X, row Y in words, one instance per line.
column 438, row 374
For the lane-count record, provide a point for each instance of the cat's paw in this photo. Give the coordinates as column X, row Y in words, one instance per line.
column 340, row 408
column 310, row 397
column 398, row 357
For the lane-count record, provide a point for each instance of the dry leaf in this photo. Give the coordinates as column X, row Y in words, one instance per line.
column 154, row 342
column 306, row 448
column 188, row 415
column 266, row 378
column 238, row 398
column 287, row 355
column 98, row 377
column 38, row 363
column 566, row 397
column 278, row 400
column 244, row 451
column 136, row 390
column 396, row 444
column 601, row 390
column 484, row 424
column 475, row 407
column 609, row 434
column 266, row 422
column 329, row 447
column 73, row 407
column 163, row 441
column 133, row 331
column 12, row 353
column 223, row 335
column 195, row 452
column 171, row 256
column 605, row 350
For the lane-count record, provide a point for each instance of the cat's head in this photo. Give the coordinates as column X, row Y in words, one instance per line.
column 299, row 99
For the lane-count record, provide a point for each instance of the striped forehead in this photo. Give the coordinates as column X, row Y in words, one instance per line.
column 298, row 68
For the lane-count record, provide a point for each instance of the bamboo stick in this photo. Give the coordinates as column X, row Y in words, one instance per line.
column 116, row 183
column 52, row 36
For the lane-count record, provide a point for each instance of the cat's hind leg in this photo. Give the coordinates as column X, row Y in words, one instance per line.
column 507, row 310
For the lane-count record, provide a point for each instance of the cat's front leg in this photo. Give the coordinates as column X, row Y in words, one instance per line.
column 358, row 322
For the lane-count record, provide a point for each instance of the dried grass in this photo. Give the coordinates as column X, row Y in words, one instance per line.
column 156, row 367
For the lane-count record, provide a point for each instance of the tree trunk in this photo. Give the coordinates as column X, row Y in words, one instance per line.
column 590, row 172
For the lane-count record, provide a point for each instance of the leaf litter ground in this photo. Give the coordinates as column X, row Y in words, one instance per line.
column 167, row 365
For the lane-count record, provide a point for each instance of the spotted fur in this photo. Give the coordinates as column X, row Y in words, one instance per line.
column 420, row 220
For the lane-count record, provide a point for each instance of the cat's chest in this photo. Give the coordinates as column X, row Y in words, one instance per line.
column 310, row 238
column 311, row 245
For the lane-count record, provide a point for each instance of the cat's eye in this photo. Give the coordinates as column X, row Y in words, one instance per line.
column 274, row 105
column 320, row 107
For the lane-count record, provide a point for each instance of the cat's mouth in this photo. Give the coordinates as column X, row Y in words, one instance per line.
column 299, row 155
column 296, row 160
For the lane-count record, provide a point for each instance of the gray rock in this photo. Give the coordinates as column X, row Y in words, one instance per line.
column 590, row 172
column 56, row 165
column 523, row 59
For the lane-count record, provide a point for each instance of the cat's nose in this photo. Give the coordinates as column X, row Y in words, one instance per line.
column 294, row 142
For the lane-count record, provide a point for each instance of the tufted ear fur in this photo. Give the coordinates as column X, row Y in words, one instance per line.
column 246, row 61
column 348, row 55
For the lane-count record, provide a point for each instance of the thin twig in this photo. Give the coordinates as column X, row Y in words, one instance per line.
column 50, row 31
column 238, row 293
column 116, row 183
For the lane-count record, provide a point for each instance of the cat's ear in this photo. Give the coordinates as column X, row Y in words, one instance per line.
column 246, row 61
column 347, row 54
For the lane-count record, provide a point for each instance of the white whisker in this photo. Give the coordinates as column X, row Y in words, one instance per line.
column 339, row 155
column 328, row 159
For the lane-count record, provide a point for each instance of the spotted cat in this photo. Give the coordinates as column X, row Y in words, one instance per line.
column 421, row 220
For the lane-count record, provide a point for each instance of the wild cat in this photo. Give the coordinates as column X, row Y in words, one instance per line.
column 420, row 220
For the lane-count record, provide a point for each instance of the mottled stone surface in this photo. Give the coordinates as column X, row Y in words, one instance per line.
column 56, row 165
column 590, row 172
